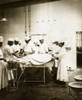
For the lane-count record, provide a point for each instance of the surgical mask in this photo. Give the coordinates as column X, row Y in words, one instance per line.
column 16, row 42
column 10, row 43
column 27, row 41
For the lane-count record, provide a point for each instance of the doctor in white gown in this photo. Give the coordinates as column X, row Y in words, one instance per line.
column 62, row 65
column 3, row 69
column 8, row 50
column 8, row 55
column 43, row 48
column 16, row 46
column 28, row 46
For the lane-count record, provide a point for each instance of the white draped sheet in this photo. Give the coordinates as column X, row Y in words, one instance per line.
column 36, row 60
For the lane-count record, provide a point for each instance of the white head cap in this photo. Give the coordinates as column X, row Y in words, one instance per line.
column 16, row 39
column 1, row 39
column 27, row 38
column 10, row 39
column 61, row 40
column 41, row 38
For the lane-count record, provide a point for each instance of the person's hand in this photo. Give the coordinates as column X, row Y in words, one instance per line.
column 57, row 53
column 16, row 51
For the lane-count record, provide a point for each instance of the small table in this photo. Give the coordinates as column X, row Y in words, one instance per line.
column 31, row 66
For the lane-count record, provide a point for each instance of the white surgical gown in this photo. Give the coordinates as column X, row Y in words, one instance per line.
column 43, row 48
column 28, row 48
column 16, row 48
column 62, row 66
column 8, row 50
column 3, row 72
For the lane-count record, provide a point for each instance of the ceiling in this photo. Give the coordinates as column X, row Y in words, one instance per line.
column 8, row 1
column 19, row 3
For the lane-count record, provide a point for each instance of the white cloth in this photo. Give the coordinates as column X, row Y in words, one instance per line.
column 38, row 59
column 62, row 66
column 3, row 72
column 55, row 49
column 16, row 48
column 69, row 59
column 1, row 54
column 43, row 48
column 36, row 49
column 28, row 48
column 1, row 39
column 8, row 52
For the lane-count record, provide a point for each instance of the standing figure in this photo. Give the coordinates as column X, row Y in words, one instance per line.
column 43, row 48
column 55, row 52
column 28, row 47
column 62, row 64
column 16, row 46
column 8, row 50
column 8, row 55
column 36, row 46
column 3, row 68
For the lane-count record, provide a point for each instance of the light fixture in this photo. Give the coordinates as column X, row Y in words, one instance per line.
column 3, row 18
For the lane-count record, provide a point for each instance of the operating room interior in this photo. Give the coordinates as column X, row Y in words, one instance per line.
column 41, row 50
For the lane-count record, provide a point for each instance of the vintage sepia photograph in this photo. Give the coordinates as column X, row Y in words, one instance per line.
column 40, row 49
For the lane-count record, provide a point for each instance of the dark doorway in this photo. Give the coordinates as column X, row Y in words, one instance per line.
column 79, row 47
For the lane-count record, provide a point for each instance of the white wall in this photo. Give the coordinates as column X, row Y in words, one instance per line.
column 60, row 19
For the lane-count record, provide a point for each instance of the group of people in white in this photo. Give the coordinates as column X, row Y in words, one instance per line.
column 16, row 49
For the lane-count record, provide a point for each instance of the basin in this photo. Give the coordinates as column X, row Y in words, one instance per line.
column 77, row 86
column 78, row 78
